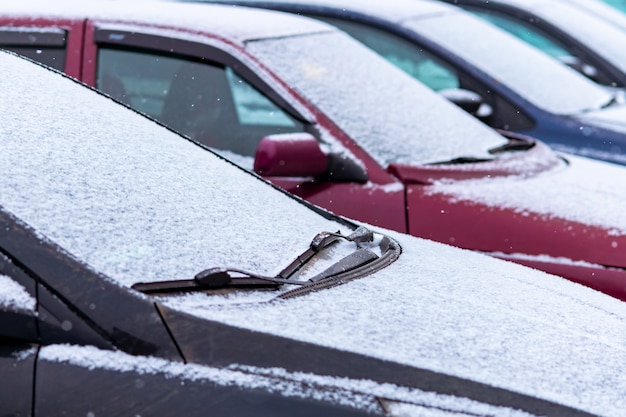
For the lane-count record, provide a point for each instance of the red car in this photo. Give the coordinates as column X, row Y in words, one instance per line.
column 323, row 117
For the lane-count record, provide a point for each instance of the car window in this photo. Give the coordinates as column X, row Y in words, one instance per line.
column 618, row 4
column 206, row 101
column 46, row 46
column 413, row 60
column 528, row 33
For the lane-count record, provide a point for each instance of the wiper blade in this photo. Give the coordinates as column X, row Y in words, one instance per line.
column 217, row 278
column 211, row 279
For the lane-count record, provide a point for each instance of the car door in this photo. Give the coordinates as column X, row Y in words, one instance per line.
column 210, row 92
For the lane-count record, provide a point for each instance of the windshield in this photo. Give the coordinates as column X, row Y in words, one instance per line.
column 604, row 39
column 530, row 73
column 133, row 200
column 395, row 118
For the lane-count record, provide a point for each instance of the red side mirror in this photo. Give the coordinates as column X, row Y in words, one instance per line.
column 290, row 155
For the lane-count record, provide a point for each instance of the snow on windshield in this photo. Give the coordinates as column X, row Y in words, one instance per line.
column 528, row 72
column 605, row 39
column 395, row 118
column 131, row 199
column 476, row 318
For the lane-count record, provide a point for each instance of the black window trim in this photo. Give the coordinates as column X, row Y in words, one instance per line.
column 33, row 36
column 198, row 51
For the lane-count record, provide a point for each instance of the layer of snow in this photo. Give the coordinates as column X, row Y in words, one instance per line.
column 504, row 57
column 233, row 23
column 607, row 40
column 139, row 203
column 475, row 317
column 513, row 63
column 586, row 191
column 361, row 394
column 14, row 296
column 394, row 118
column 123, row 186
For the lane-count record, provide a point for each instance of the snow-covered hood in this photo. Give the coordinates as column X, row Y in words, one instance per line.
column 611, row 118
column 581, row 190
column 480, row 319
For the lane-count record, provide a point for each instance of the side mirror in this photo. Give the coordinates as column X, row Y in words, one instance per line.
column 290, row 155
column 465, row 99
column 470, row 101
column 579, row 65
column 300, row 155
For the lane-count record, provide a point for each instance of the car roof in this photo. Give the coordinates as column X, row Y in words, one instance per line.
column 233, row 23
column 395, row 11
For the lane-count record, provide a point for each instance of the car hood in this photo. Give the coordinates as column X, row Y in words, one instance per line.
column 507, row 326
column 583, row 196
column 611, row 118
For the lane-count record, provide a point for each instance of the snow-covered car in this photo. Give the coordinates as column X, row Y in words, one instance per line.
column 141, row 274
column 576, row 32
column 340, row 127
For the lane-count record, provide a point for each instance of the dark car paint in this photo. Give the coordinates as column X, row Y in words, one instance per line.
column 107, row 316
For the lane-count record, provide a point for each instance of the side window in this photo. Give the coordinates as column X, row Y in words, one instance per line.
column 46, row 46
column 204, row 100
column 410, row 58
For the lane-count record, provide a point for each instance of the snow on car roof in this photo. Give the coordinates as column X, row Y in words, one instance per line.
column 234, row 23
column 393, row 11
column 109, row 179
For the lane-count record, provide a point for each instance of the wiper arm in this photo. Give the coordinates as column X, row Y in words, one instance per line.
column 217, row 278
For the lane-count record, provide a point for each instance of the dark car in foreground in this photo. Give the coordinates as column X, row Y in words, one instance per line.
column 340, row 127
column 141, row 274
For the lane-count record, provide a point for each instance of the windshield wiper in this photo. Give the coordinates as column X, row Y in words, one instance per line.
column 218, row 278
